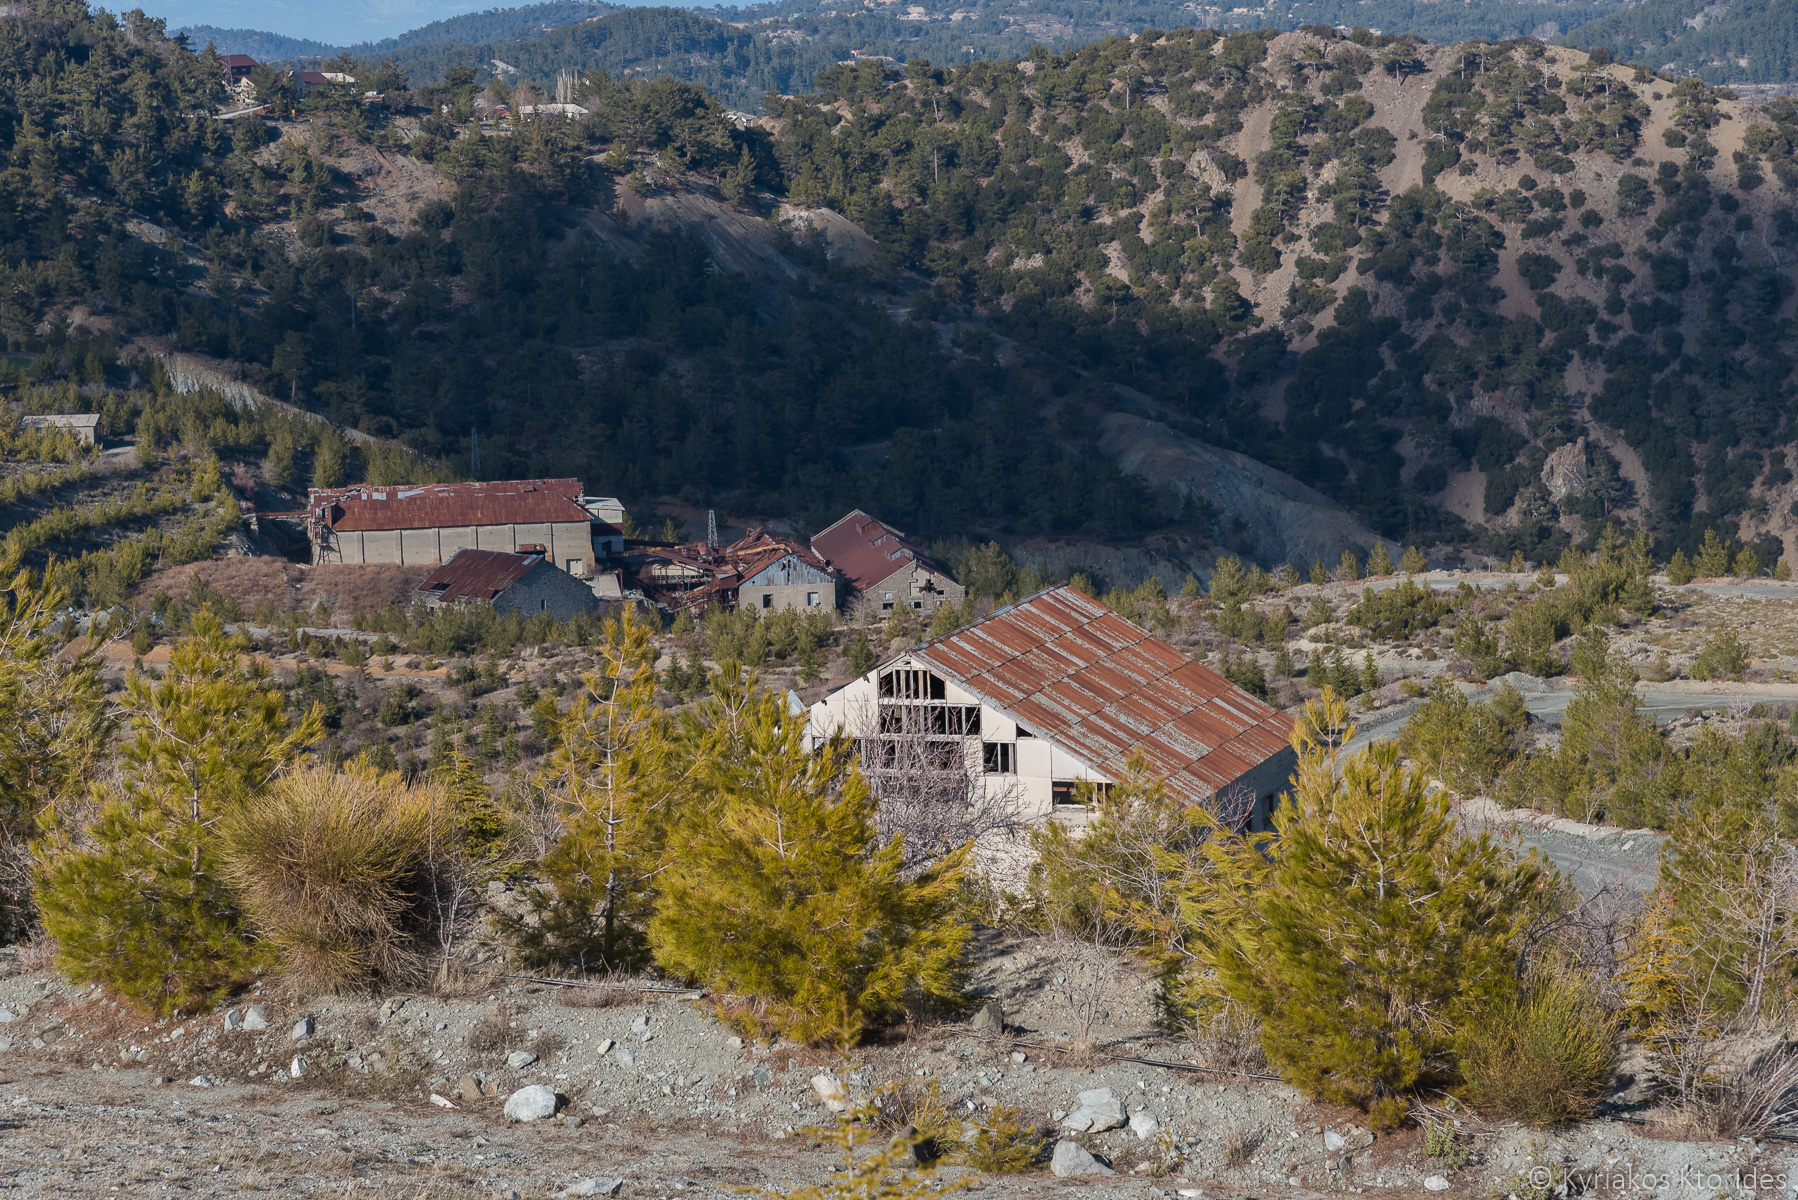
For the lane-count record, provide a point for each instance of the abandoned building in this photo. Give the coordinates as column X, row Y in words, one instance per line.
column 85, row 426
column 883, row 570
column 1056, row 692
column 761, row 570
column 429, row 523
column 527, row 584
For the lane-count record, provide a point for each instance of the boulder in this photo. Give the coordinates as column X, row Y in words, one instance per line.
column 1098, row 1110
column 599, row 1185
column 255, row 1018
column 830, row 1089
column 442, row 1101
column 1144, row 1125
column 518, row 1060
column 296, row 1068
column 990, row 1019
column 304, row 1028
column 1073, row 1159
column 1436, row 1183
column 904, row 1145
column 233, row 1019
column 468, row 1089
column 604, row 1044
column 533, row 1103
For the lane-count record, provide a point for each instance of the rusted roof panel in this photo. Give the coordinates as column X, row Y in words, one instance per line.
column 476, row 575
column 1071, row 670
column 370, row 508
column 867, row 552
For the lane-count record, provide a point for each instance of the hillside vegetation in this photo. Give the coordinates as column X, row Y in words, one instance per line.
column 1488, row 295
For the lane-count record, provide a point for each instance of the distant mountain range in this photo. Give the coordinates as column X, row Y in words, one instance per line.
column 742, row 53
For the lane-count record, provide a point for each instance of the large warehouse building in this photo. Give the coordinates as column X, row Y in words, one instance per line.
column 1058, row 691
column 426, row 524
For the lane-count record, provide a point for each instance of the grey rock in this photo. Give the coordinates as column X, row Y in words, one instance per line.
column 641, row 1024
column 532, row 1103
column 1098, row 1109
column 831, row 1090
column 1436, row 1183
column 599, row 1185
column 255, row 1017
column 518, row 1060
column 297, row 1067
column 391, row 1009
column 1144, row 1125
column 574, row 1122
column 200, row 1081
column 1334, row 1141
column 6, row 1016
column 605, row 1044
column 1018, row 1056
column 990, row 1019
column 468, row 1088
column 904, row 1145
column 304, row 1028
column 1072, row 1159
column 625, row 1056
column 233, row 1019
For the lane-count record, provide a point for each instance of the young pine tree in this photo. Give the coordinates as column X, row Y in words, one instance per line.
column 1379, row 560
column 779, row 890
column 1367, row 928
column 615, row 771
column 54, row 728
column 138, row 899
column 1679, row 569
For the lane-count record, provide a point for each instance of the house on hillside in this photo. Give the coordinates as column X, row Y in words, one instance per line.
column 883, row 570
column 237, row 68
column 527, row 584
column 761, row 570
column 85, row 426
column 429, row 523
column 1058, row 691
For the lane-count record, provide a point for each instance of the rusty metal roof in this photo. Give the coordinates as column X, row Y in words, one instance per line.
column 450, row 505
column 476, row 575
column 1073, row 671
column 867, row 551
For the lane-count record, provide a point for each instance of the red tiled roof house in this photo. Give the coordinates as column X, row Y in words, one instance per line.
column 884, row 570
column 429, row 523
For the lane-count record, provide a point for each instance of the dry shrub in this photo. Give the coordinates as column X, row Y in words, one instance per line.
column 343, row 873
column 610, row 991
column 1005, row 1143
column 1545, row 1058
column 1752, row 1101
column 493, row 1034
column 1229, row 1041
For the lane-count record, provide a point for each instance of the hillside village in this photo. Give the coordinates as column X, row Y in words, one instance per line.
column 1208, row 614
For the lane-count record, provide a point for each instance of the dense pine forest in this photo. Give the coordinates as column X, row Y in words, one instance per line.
column 1410, row 275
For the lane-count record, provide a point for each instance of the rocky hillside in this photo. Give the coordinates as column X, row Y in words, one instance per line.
column 1503, row 291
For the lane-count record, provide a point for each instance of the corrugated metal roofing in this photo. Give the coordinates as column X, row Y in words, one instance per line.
column 450, row 505
column 476, row 575
column 1074, row 672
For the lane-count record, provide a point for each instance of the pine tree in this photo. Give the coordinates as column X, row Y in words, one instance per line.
column 615, row 773
column 1370, row 674
column 1679, row 569
column 54, row 729
column 1414, row 561
column 858, row 655
column 1320, row 574
column 1782, row 570
column 1366, row 928
column 138, row 899
column 1713, row 556
column 1379, row 560
column 1747, row 564
column 1349, row 568
column 778, row 889
column 1518, row 566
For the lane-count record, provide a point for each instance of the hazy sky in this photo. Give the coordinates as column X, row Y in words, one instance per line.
column 337, row 22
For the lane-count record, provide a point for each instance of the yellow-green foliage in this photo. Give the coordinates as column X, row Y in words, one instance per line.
column 1544, row 1057
column 1656, row 970
column 54, row 725
column 615, row 773
column 135, row 894
column 343, row 873
column 1366, row 928
column 885, row 1174
column 1468, row 745
column 1004, row 1142
column 778, row 889
column 1723, row 656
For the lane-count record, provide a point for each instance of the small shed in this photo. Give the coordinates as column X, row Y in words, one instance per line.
column 85, row 426
column 527, row 584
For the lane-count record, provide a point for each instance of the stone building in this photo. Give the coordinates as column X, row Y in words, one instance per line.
column 1056, row 692
column 85, row 426
column 883, row 570
column 429, row 523
column 527, row 584
column 761, row 571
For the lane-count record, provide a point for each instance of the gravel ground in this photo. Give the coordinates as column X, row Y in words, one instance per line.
column 404, row 1097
